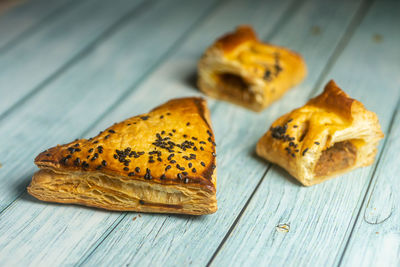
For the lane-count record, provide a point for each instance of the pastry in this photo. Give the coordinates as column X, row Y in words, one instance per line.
column 241, row 69
column 162, row 161
column 330, row 135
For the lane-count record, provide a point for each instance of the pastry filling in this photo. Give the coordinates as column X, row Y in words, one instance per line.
column 235, row 87
column 340, row 156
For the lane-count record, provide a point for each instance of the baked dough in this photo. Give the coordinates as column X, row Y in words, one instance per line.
column 162, row 161
column 330, row 135
column 241, row 69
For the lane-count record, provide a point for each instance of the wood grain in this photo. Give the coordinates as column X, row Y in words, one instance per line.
column 320, row 217
column 59, row 81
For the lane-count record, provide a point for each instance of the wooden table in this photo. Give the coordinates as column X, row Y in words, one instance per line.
column 70, row 68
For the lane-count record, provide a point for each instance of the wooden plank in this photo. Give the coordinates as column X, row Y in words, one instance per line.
column 184, row 240
column 63, row 109
column 27, row 16
column 376, row 232
column 321, row 217
column 46, row 53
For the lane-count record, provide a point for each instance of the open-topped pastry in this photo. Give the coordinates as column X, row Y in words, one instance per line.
column 241, row 69
column 162, row 161
column 330, row 135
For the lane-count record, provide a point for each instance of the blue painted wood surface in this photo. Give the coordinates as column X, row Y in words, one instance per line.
column 70, row 68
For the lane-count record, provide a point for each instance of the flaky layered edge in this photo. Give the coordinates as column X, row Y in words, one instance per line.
column 120, row 194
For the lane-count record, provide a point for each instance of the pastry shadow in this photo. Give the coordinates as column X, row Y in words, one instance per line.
column 191, row 80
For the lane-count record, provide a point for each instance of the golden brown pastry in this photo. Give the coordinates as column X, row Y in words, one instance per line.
column 241, row 69
column 330, row 135
column 162, row 161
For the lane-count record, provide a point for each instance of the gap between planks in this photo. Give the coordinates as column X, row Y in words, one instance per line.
column 36, row 27
column 356, row 21
column 108, row 32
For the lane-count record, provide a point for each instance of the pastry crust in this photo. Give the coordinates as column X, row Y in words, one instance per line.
column 241, row 69
column 330, row 135
column 162, row 161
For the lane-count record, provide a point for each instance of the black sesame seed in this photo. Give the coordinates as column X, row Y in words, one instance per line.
column 148, row 176
column 126, row 169
column 289, row 120
column 159, row 159
column 201, row 148
column 190, row 165
column 95, row 142
column 168, row 167
column 111, row 131
column 173, row 161
column 295, row 126
column 115, row 156
column 90, row 150
column 145, row 117
column 141, row 202
column 194, row 170
column 162, row 116
column 170, row 156
column 293, row 155
column 104, row 163
column 192, row 156
column 137, row 169
column 173, row 130
column 305, row 151
column 107, row 136
column 202, row 142
column 317, row 143
column 126, row 163
column 185, row 136
column 185, row 173
column 76, row 145
column 187, row 124
column 168, row 113
column 131, row 174
column 203, row 164
column 162, row 177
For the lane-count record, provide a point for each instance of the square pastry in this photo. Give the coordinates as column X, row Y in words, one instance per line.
column 241, row 69
column 330, row 135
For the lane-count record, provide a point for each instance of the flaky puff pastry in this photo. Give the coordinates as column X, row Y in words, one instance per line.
column 330, row 135
column 241, row 69
column 162, row 161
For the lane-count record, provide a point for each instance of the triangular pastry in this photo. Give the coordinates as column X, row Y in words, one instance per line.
column 162, row 161
column 241, row 69
column 330, row 135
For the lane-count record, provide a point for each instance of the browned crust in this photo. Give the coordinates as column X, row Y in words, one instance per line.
column 193, row 109
column 231, row 40
column 335, row 100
